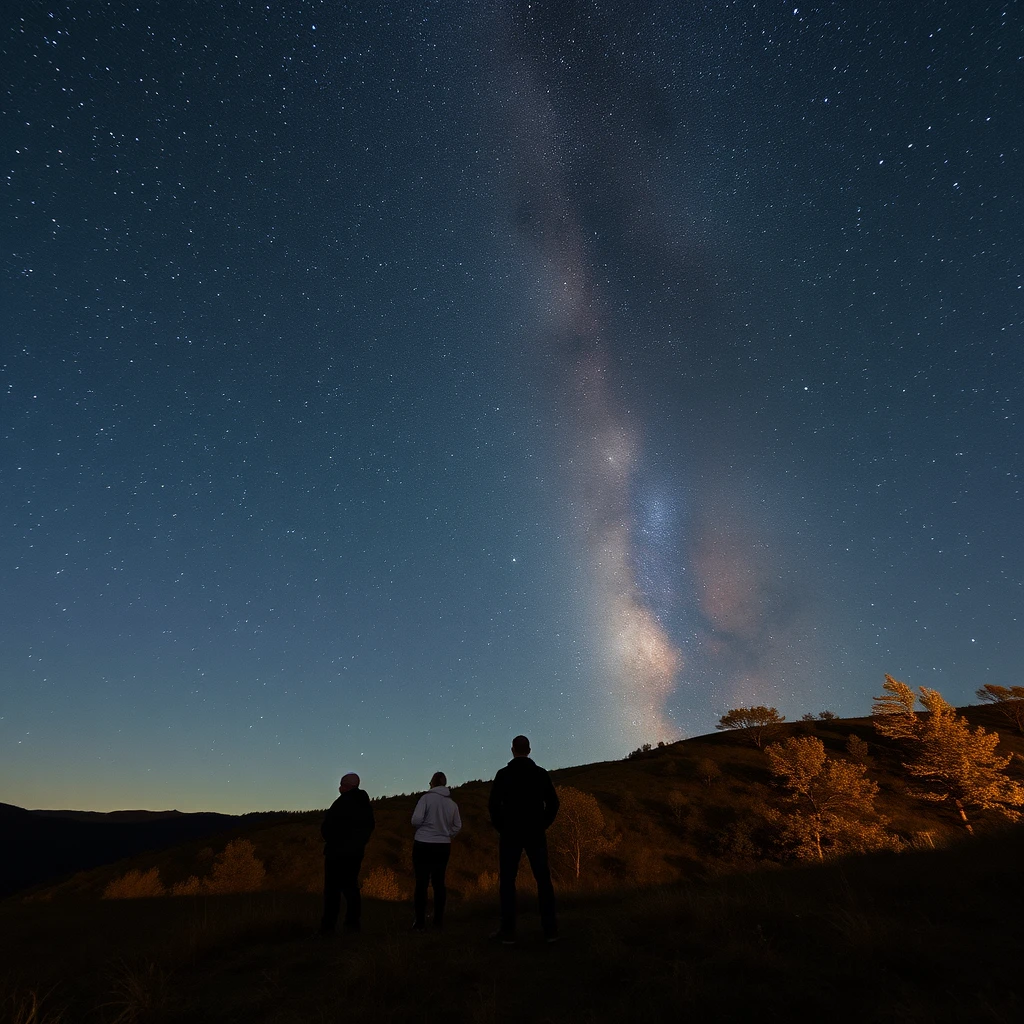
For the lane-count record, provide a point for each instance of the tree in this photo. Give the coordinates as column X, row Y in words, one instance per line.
column 237, row 869
column 955, row 762
column 580, row 831
column 833, row 804
column 678, row 805
column 858, row 749
column 708, row 771
column 759, row 723
column 893, row 711
column 1009, row 700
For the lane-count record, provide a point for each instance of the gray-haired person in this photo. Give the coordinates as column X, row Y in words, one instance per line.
column 346, row 830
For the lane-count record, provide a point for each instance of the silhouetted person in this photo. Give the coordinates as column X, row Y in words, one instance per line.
column 346, row 830
column 522, row 805
column 436, row 819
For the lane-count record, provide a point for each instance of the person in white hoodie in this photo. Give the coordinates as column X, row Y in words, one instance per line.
column 436, row 819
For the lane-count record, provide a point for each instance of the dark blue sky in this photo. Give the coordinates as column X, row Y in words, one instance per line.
column 382, row 381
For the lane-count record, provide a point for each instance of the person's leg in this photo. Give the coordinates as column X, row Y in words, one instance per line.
column 349, row 869
column 510, row 849
column 441, row 853
column 332, row 898
column 537, row 852
column 421, row 866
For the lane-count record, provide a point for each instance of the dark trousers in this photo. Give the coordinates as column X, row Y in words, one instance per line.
column 341, row 878
column 430, row 861
column 510, row 852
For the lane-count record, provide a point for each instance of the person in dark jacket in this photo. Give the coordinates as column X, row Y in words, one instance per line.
column 522, row 805
column 346, row 830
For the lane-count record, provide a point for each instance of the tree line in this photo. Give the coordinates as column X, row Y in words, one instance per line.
column 831, row 802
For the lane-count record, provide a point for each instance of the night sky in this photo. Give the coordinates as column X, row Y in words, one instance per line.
column 382, row 381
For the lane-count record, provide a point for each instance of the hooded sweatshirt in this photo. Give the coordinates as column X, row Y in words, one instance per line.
column 436, row 817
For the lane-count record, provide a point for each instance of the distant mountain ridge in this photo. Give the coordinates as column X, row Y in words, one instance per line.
column 44, row 845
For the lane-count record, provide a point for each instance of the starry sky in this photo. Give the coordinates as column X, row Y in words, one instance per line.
column 380, row 381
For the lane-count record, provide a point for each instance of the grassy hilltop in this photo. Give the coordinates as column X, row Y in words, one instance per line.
column 679, row 908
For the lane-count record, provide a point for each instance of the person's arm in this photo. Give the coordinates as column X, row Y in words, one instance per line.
column 456, row 826
column 550, row 801
column 328, row 826
column 419, row 814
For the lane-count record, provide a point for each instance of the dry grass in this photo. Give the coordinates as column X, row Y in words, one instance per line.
column 887, row 937
column 26, row 1006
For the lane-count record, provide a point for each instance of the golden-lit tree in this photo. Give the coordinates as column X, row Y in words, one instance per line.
column 759, row 723
column 832, row 803
column 956, row 763
column 580, row 830
column 1009, row 701
column 237, row 869
column 893, row 711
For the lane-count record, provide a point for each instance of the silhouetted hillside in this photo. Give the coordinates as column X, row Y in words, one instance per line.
column 41, row 846
column 666, row 817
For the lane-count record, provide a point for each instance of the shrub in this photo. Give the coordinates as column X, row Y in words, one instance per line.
column 708, row 771
column 190, row 887
column 382, row 884
column 678, row 805
column 237, row 869
column 135, row 885
column 486, row 882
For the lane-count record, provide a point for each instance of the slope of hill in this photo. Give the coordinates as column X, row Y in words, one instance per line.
column 664, row 820
column 679, row 910
column 924, row 936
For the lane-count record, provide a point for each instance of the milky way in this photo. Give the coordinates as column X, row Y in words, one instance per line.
column 380, row 381
column 639, row 659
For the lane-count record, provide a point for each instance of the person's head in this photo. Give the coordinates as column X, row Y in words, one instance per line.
column 438, row 779
column 520, row 747
column 348, row 781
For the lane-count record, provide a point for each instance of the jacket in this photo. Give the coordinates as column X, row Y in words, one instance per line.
column 436, row 817
column 523, row 800
column 348, row 824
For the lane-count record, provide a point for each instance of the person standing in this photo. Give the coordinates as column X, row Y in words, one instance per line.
column 436, row 820
column 522, row 805
column 346, row 829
